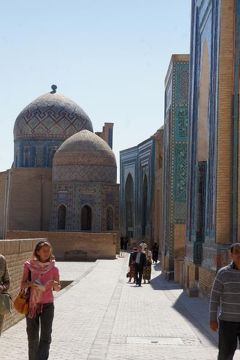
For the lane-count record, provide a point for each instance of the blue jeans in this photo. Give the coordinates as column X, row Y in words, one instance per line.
column 229, row 335
column 38, row 348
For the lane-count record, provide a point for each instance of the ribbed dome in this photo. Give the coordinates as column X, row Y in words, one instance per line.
column 51, row 116
column 84, row 157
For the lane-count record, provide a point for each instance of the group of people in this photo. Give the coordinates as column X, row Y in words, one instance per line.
column 140, row 263
column 40, row 278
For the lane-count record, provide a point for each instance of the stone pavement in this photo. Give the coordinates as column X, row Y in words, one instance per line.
column 100, row 316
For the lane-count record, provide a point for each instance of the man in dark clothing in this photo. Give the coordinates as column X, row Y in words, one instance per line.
column 140, row 262
column 121, row 243
column 225, row 297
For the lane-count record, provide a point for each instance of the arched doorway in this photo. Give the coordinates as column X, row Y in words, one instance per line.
column 109, row 218
column 129, row 208
column 62, row 217
column 144, row 205
column 86, row 218
column 203, row 142
column 203, row 121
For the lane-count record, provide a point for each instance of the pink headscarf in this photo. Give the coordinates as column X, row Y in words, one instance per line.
column 37, row 269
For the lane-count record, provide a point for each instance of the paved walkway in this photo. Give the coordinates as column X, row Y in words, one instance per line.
column 100, row 316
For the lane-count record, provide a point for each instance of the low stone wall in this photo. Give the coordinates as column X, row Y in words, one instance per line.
column 76, row 246
column 16, row 253
column 179, row 271
column 206, row 278
column 197, row 280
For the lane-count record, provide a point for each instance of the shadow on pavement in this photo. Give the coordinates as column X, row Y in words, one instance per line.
column 160, row 283
column 194, row 309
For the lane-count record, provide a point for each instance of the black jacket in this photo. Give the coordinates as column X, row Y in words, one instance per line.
column 133, row 257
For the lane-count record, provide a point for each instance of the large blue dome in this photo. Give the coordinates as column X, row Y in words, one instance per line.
column 43, row 126
column 51, row 116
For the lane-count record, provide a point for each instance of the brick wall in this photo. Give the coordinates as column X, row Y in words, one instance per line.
column 180, row 237
column 190, row 275
column 75, row 245
column 16, row 253
column 224, row 178
column 3, row 190
column 206, row 278
column 29, row 202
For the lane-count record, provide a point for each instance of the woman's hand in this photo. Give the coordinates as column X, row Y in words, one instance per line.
column 26, row 284
column 56, row 286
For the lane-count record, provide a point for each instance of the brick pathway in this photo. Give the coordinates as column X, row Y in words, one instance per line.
column 100, row 316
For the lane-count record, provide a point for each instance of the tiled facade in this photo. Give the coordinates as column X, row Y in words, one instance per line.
column 139, row 213
column 213, row 185
column 175, row 161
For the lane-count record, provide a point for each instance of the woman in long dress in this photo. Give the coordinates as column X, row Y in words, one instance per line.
column 148, row 268
column 132, row 265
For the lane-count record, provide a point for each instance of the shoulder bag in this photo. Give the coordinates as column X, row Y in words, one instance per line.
column 5, row 303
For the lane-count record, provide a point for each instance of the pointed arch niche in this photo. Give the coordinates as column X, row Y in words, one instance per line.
column 203, row 121
column 129, row 206
column 86, row 218
column 110, row 217
column 62, row 211
column 144, row 205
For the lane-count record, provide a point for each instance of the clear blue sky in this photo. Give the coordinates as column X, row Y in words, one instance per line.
column 110, row 56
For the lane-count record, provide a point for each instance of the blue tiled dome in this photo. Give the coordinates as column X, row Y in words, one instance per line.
column 43, row 126
column 84, row 157
column 51, row 116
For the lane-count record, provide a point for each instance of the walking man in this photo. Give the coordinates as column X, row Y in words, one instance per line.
column 225, row 297
column 140, row 262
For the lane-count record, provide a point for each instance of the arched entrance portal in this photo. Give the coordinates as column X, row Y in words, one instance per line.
column 109, row 218
column 129, row 206
column 62, row 217
column 144, row 206
column 86, row 218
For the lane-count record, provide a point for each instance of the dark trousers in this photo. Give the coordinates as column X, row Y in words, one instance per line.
column 229, row 335
column 38, row 346
column 138, row 274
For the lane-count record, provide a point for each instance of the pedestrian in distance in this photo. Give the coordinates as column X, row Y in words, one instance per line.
column 143, row 245
column 125, row 244
column 41, row 276
column 132, row 265
column 121, row 245
column 4, row 283
column 225, row 298
column 140, row 263
column 155, row 253
column 148, row 267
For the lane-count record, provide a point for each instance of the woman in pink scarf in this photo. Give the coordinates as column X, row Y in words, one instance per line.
column 41, row 276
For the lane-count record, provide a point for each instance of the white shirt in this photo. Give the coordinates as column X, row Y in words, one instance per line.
column 138, row 258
